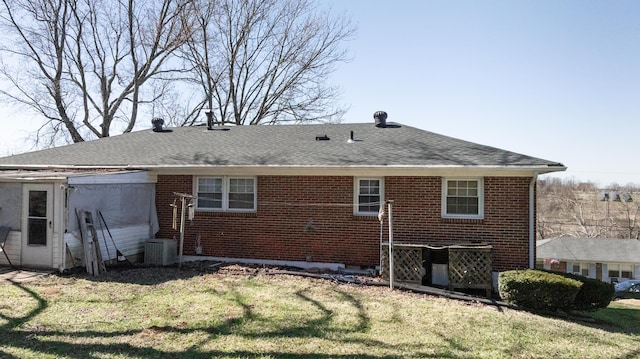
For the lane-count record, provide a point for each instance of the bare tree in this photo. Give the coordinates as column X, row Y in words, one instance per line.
column 584, row 219
column 582, row 210
column 626, row 213
column 560, row 210
column 266, row 61
column 87, row 66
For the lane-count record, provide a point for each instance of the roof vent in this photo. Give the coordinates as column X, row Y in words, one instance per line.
column 210, row 115
column 381, row 119
column 322, row 138
column 351, row 139
column 157, row 124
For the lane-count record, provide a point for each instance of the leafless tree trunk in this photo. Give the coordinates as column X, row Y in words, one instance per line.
column 583, row 219
column 627, row 213
column 581, row 210
column 85, row 65
column 266, row 61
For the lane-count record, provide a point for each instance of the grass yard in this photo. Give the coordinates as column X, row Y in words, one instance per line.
column 245, row 313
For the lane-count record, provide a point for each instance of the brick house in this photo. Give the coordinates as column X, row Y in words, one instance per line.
column 293, row 194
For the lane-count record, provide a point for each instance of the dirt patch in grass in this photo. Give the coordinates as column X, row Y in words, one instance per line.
column 10, row 275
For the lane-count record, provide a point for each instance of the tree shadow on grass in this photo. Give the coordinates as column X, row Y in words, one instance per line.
column 83, row 351
column 44, row 342
column 315, row 326
column 624, row 320
column 247, row 324
column 613, row 320
column 15, row 322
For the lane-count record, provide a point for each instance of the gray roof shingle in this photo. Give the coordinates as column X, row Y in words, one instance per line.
column 279, row 146
column 598, row 250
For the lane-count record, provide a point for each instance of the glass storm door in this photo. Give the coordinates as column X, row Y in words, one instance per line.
column 37, row 225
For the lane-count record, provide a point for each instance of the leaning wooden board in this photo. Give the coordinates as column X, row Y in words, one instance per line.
column 4, row 234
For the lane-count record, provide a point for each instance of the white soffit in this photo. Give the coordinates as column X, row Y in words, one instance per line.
column 114, row 178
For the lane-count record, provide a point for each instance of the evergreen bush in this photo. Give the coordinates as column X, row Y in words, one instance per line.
column 539, row 290
column 593, row 294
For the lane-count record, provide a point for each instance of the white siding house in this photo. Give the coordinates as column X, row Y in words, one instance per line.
column 610, row 260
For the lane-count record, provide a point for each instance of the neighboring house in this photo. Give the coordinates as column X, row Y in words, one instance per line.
column 610, row 260
column 288, row 194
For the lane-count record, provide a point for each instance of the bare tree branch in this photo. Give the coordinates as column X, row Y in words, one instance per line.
column 581, row 210
column 267, row 61
column 87, row 63
column 91, row 68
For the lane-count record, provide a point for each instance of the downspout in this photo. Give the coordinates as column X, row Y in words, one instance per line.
column 532, row 218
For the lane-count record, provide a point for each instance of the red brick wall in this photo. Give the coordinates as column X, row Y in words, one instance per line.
column 311, row 218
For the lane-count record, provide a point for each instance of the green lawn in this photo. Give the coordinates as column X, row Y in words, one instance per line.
column 171, row 313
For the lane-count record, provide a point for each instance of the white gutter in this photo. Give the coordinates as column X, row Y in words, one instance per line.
column 532, row 218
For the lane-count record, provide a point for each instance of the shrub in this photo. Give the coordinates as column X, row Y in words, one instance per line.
column 534, row 289
column 593, row 294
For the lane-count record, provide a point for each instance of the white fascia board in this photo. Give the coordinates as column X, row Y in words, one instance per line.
column 30, row 179
column 439, row 171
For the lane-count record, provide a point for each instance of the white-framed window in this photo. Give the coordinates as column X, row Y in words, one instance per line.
column 242, row 193
column 620, row 270
column 225, row 193
column 368, row 196
column 463, row 198
column 209, row 193
column 578, row 268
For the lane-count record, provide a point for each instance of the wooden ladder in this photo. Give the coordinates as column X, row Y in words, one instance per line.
column 92, row 255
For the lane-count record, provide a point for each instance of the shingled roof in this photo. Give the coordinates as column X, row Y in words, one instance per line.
column 598, row 250
column 291, row 146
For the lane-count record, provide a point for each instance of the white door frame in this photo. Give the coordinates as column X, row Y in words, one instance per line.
column 39, row 254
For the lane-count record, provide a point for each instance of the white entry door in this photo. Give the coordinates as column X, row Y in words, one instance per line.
column 37, row 225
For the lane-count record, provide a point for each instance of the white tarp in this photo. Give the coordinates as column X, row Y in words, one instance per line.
column 11, row 205
column 121, row 205
column 127, row 205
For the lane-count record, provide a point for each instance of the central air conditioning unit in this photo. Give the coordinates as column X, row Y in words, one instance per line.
column 160, row 252
column 440, row 274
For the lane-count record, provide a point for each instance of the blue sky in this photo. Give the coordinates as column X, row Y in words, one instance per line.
column 559, row 80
